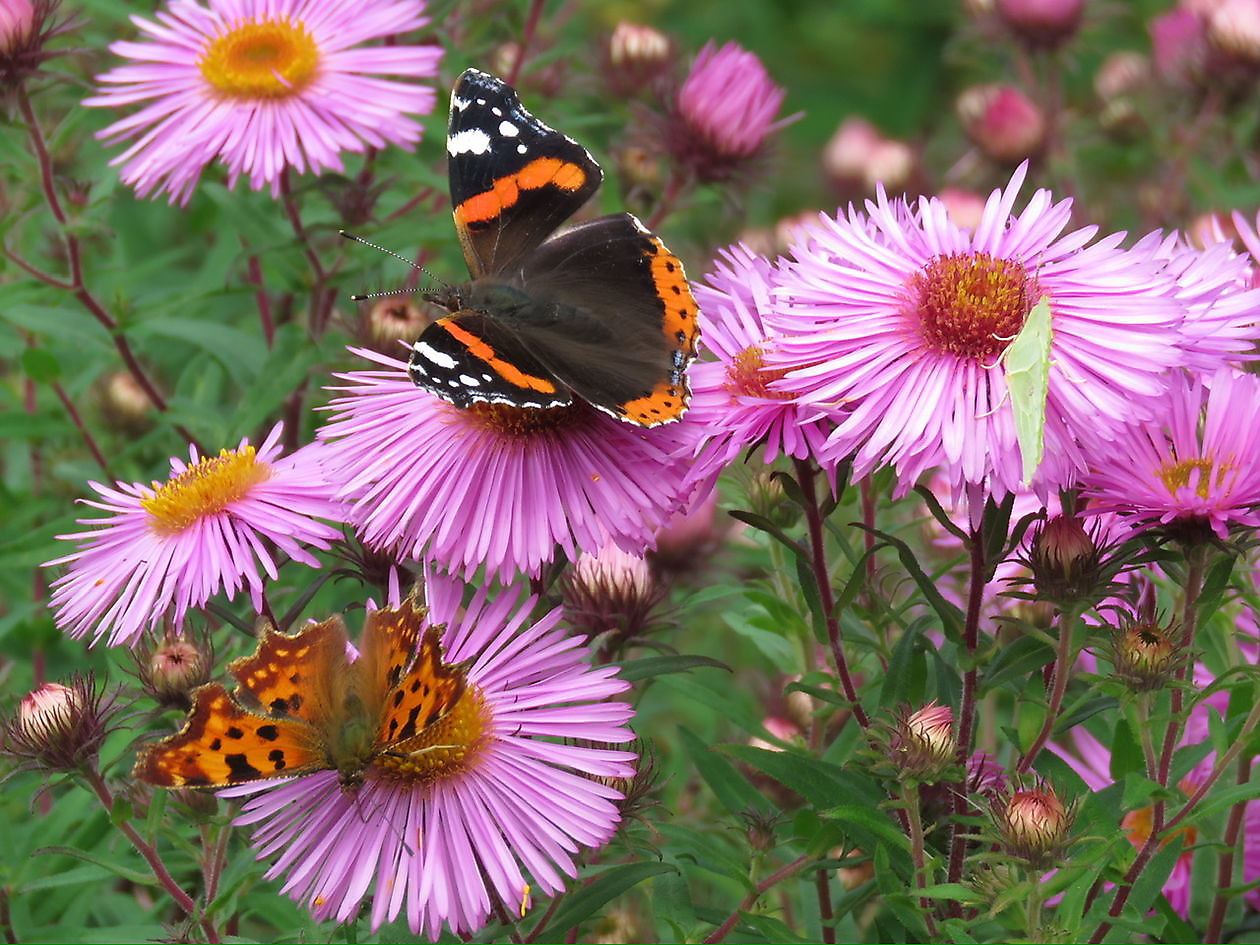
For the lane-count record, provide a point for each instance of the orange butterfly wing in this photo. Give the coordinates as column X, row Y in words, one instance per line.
column 418, row 688
column 223, row 744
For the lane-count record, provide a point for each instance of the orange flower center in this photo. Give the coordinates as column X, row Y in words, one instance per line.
column 205, row 488
column 1198, row 473
column 526, row 422
column 748, row 376
column 971, row 304
column 445, row 748
column 1138, row 824
column 261, row 59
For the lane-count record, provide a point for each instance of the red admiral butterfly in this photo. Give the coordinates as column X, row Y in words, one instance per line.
column 602, row 312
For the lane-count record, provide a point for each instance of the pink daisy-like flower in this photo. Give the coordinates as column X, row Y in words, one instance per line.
column 171, row 546
column 1091, row 760
column 1197, row 464
column 492, row 484
column 263, row 85
column 733, row 401
column 896, row 323
column 504, row 821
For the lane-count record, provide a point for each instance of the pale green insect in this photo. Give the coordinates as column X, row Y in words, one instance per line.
column 1026, row 361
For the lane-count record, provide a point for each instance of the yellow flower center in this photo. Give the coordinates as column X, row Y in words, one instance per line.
column 445, row 748
column 261, row 59
column 971, row 304
column 203, row 489
column 526, row 422
column 748, row 376
column 1197, row 471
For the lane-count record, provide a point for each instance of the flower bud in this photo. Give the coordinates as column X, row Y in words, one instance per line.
column 689, row 538
column 1064, row 559
column 1003, row 122
column 1179, row 46
column 172, row 669
column 965, row 207
column 637, row 56
column 58, row 728
column 1041, row 24
column 1146, row 656
column 923, row 742
column 858, row 157
column 611, row 592
column 1234, row 29
column 17, row 25
column 1121, row 74
column 724, row 113
column 125, row 405
column 391, row 319
column 1033, row 825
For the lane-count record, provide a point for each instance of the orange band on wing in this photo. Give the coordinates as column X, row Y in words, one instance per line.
column 540, row 172
column 509, row 372
column 673, row 289
column 666, row 402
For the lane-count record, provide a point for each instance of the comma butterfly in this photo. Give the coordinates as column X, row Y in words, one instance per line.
column 302, row 705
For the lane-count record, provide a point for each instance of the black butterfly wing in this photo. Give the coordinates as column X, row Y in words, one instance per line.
column 469, row 358
column 611, row 317
column 513, row 179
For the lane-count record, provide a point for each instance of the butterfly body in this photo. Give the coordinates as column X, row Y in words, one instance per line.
column 601, row 313
column 301, row 705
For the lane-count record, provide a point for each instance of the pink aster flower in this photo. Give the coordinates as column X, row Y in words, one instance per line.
column 166, row 548
column 263, row 85
column 733, row 401
column 724, row 113
column 506, row 821
column 1197, row 464
column 1091, row 760
column 896, row 324
column 492, row 484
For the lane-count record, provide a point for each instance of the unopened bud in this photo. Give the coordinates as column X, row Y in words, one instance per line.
column 1146, row 656
column 392, row 319
column 17, row 24
column 1003, row 122
column 1033, row 825
column 611, row 592
column 1041, row 24
column 58, row 728
column 637, row 56
column 1064, row 559
column 923, row 743
column 125, row 404
column 174, row 668
column 1234, row 29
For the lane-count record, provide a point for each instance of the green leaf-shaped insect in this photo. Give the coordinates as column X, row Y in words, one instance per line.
column 1026, row 361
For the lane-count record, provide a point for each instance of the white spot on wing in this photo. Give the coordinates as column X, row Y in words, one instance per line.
column 469, row 381
column 507, row 129
column 430, row 353
column 468, row 141
column 521, row 149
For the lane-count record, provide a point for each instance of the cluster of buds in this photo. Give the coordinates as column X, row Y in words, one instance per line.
column 59, row 728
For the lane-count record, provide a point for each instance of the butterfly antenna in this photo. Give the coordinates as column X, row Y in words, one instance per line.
column 389, row 252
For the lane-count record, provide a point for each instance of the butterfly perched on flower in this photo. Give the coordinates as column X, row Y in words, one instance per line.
column 601, row 313
column 302, row 705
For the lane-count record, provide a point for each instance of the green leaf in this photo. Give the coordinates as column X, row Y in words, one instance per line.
column 907, row 669
column 240, row 352
column 646, row 668
column 722, row 777
column 135, row 876
column 950, row 616
column 581, row 904
column 40, row 365
column 1126, row 752
column 1015, row 662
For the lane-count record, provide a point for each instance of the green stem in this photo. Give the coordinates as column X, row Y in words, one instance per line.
column 1065, row 656
column 918, row 852
column 786, row 872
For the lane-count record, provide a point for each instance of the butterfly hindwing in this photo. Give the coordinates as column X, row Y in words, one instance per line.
column 513, row 179
column 620, row 291
column 222, row 744
column 425, row 693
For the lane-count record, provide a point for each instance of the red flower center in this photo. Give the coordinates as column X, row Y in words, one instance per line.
column 971, row 304
column 748, row 376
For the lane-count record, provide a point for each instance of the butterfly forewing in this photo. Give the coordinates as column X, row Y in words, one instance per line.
column 513, row 179
column 222, row 744
column 424, row 695
column 301, row 676
column 470, row 358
